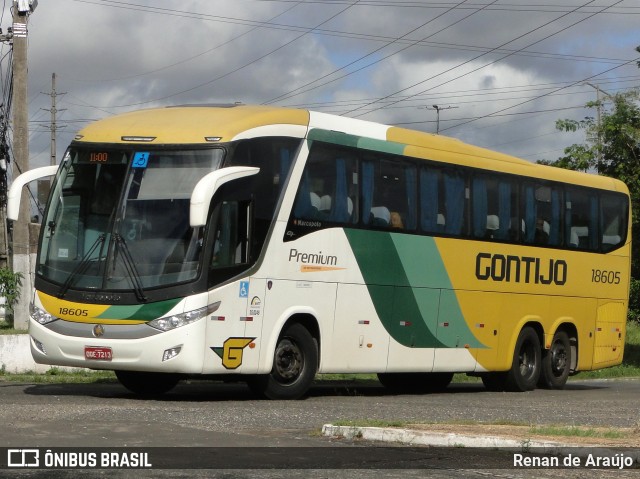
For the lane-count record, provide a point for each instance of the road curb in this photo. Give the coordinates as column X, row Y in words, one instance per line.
column 414, row 437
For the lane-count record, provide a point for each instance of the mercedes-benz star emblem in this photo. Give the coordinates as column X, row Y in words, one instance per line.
column 98, row 330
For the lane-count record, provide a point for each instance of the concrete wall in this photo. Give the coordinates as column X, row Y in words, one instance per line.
column 15, row 355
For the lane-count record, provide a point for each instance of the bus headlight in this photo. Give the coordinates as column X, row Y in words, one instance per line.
column 178, row 320
column 40, row 315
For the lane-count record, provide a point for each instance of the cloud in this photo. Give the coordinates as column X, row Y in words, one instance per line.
column 335, row 56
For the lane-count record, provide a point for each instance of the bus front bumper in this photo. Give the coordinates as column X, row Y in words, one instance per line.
column 176, row 351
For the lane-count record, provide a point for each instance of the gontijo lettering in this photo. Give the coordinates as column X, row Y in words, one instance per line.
column 520, row 269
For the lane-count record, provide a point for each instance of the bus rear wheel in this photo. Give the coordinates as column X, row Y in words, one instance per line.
column 415, row 382
column 295, row 364
column 556, row 362
column 526, row 365
column 147, row 384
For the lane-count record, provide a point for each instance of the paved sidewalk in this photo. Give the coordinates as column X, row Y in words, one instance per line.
column 426, row 437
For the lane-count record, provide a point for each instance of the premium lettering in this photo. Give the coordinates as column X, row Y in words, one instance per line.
column 520, row 269
column 312, row 258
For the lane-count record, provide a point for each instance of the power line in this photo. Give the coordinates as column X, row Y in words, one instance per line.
column 448, row 96
column 479, row 56
column 239, row 68
column 525, row 8
column 499, row 112
column 293, row 93
column 198, row 55
column 270, row 24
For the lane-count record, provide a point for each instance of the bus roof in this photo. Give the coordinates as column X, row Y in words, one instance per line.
column 189, row 124
column 204, row 124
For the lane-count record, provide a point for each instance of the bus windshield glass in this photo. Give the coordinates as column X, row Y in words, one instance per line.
column 119, row 219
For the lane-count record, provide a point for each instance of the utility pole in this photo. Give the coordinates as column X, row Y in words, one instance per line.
column 54, row 111
column 4, row 166
column 599, row 91
column 21, row 245
column 437, row 109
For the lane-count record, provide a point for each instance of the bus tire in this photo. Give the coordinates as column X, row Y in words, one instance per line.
column 295, row 363
column 526, row 365
column 556, row 362
column 147, row 384
column 415, row 382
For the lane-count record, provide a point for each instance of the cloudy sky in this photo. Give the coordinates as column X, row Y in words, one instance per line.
column 500, row 71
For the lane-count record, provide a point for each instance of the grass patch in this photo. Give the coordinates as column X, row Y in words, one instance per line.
column 6, row 328
column 349, row 377
column 370, row 423
column 573, row 431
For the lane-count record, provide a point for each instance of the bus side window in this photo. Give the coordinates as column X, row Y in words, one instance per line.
column 454, row 202
column 613, row 212
column 581, row 219
column 494, row 207
column 231, row 235
column 327, row 186
column 542, row 215
column 431, row 219
column 389, row 193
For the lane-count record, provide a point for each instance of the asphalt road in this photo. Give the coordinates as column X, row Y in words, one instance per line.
column 206, row 414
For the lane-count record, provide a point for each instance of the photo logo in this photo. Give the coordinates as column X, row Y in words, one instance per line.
column 23, row 458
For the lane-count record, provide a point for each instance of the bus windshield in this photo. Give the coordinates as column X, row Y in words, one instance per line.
column 119, row 219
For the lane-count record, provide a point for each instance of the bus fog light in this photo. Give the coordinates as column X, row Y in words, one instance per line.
column 171, row 353
column 39, row 346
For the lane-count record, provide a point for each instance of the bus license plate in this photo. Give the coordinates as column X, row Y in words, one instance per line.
column 97, row 353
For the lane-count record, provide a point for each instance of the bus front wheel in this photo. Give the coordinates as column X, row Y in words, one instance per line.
column 526, row 365
column 147, row 384
column 556, row 362
column 295, row 364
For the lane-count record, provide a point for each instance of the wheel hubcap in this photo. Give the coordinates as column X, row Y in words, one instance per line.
column 289, row 361
column 558, row 359
column 527, row 365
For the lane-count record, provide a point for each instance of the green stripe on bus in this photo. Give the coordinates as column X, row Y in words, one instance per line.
column 354, row 141
column 334, row 137
column 410, row 289
column 146, row 312
column 382, row 146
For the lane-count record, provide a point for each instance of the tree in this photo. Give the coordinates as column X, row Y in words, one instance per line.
column 10, row 284
column 612, row 148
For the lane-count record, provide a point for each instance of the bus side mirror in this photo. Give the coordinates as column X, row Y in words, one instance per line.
column 207, row 187
column 15, row 192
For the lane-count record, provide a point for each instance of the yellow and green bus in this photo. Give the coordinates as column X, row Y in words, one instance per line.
column 270, row 244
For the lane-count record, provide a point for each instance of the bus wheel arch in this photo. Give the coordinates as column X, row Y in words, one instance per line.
column 560, row 359
column 295, row 361
column 524, row 371
column 525, row 367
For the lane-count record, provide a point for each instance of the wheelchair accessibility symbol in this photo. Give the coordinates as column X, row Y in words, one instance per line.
column 244, row 289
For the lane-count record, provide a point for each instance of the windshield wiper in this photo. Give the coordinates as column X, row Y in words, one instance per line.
column 82, row 265
column 130, row 266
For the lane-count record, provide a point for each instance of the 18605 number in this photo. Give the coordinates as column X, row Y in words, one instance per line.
column 605, row 276
column 73, row 312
